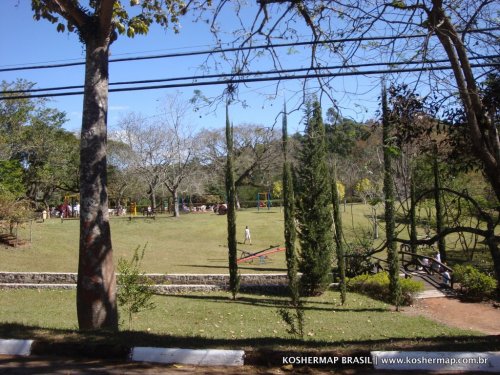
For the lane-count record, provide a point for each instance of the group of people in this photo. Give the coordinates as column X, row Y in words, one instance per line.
column 435, row 265
column 65, row 210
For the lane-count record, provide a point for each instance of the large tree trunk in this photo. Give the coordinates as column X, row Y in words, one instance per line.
column 482, row 131
column 175, row 196
column 96, row 286
column 153, row 199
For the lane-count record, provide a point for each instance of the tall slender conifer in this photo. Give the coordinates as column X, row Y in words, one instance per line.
column 296, row 321
column 289, row 213
column 234, row 278
column 314, row 214
column 392, row 253
column 337, row 219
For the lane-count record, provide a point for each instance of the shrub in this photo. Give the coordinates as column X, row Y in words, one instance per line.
column 358, row 257
column 377, row 287
column 134, row 287
column 473, row 283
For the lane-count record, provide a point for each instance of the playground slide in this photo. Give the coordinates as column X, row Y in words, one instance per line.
column 260, row 254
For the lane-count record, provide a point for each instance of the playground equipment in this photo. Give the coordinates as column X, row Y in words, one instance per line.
column 263, row 200
column 261, row 255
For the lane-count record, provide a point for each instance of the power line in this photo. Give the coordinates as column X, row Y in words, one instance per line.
column 245, row 74
column 250, row 80
column 236, row 49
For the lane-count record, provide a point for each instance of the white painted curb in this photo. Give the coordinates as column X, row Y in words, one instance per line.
column 208, row 357
column 437, row 361
column 15, row 347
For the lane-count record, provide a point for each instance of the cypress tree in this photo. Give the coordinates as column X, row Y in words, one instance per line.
column 289, row 213
column 234, row 278
column 296, row 322
column 392, row 254
column 337, row 219
column 314, row 213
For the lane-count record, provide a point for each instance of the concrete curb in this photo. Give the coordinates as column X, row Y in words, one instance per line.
column 15, row 347
column 397, row 361
column 199, row 357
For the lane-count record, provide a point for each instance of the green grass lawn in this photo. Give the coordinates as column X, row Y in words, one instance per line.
column 196, row 243
column 193, row 243
column 214, row 320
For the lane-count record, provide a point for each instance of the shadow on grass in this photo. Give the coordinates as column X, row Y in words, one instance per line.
column 275, row 303
column 116, row 344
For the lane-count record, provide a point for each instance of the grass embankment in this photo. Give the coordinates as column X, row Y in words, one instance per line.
column 213, row 320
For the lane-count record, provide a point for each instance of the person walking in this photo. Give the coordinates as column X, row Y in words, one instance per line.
column 247, row 236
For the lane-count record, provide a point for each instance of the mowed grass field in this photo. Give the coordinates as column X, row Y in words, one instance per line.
column 214, row 320
column 196, row 243
column 193, row 243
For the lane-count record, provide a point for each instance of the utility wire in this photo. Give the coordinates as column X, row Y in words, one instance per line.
column 235, row 49
column 245, row 74
column 249, row 80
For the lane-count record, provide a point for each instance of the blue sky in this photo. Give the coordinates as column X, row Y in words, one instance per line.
column 24, row 41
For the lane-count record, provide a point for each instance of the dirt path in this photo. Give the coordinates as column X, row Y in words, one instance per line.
column 481, row 317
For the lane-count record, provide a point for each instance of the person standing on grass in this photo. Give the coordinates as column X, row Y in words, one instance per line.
column 247, row 236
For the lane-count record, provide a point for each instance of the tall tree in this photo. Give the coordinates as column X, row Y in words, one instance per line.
column 31, row 134
column 296, row 320
column 182, row 147
column 98, row 23
column 256, row 153
column 392, row 252
column 289, row 216
column 149, row 144
column 339, row 237
column 314, row 213
column 234, row 279
column 50, row 157
column 461, row 30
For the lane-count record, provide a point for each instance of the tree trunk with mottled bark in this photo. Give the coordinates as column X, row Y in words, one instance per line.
column 96, row 285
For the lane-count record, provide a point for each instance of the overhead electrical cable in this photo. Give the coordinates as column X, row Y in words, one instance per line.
column 234, row 49
column 250, row 80
column 244, row 74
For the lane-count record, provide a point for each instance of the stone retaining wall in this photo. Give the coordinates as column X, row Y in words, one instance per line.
column 175, row 279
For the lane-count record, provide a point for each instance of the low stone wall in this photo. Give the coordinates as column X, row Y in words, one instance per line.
column 159, row 279
column 37, row 278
